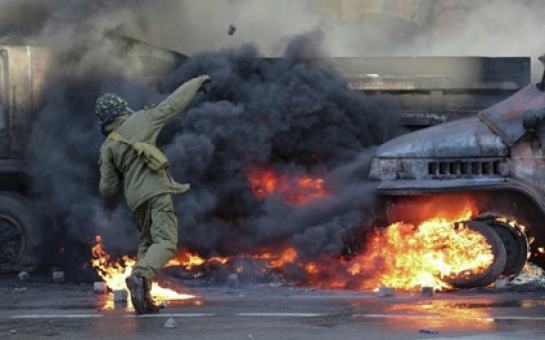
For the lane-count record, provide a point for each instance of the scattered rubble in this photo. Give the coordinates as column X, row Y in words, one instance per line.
column 232, row 280
column 100, row 287
column 120, row 295
column 428, row 331
column 386, row 291
column 23, row 276
column 170, row 323
column 501, row 283
column 426, row 291
column 531, row 273
column 57, row 276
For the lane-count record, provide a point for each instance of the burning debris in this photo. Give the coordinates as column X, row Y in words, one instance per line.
column 115, row 272
column 531, row 275
column 427, row 257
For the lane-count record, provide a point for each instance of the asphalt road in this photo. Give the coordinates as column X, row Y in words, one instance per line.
column 38, row 308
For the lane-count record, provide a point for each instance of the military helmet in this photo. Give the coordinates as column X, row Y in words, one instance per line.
column 108, row 107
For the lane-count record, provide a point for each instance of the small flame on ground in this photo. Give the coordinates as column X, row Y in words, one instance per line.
column 115, row 273
column 190, row 261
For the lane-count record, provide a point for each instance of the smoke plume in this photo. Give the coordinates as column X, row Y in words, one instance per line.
column 293, row 114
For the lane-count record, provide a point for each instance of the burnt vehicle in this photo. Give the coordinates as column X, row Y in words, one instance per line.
column 494, row 160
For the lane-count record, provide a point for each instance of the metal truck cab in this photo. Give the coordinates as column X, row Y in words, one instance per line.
column 495, row 160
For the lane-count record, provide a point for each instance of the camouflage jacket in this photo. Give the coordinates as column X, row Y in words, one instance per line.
column 120, row 163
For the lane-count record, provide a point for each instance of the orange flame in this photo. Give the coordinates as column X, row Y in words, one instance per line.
column 294, row 189
column 288, row 256
column 114, row 274
column 191, row 261
column 406, row 256
column 409, row 257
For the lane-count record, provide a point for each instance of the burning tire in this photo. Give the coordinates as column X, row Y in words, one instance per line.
column 473, row 280
column 515, row 242
column 21, row 234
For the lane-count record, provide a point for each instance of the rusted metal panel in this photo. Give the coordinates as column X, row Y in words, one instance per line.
column 528, row 159
column 505, row 118
column 19, row 96
column 453, row 73
column 432, row 90
column 463, row 138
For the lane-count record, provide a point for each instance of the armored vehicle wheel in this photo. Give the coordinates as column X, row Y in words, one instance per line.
column 473, row 280
column 515, row 242
column 21, row 234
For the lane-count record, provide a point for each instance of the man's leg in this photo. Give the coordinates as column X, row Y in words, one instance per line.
column 136, row 282
column 163, row 233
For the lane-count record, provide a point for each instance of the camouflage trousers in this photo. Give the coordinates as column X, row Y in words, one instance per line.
column 158, row 227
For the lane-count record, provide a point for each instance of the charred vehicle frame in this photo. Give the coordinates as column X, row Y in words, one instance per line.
column 495, row 159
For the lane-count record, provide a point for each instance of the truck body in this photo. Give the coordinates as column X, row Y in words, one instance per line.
column 24, row 72
column 494, row 160
column 433, row 90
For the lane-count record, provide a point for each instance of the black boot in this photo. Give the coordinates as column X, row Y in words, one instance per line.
column 135, row 283
column 150, row 307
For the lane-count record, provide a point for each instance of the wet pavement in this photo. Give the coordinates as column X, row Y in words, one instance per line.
column 41, row 309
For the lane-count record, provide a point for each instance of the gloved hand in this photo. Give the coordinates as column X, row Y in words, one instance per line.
column 204, row 87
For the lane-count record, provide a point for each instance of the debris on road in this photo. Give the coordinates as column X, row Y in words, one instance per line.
column 120, row 295
column 426, row 291
column 57, row 276
column 428, row 331
column 501, row 283
column 170, row 323
column 23, row 276
column 386, row 291
column 232, row 280
column 100, row 287
column 531, row 273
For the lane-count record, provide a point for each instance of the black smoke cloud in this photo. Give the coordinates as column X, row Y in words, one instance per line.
column 287, row 114
column 294, row 115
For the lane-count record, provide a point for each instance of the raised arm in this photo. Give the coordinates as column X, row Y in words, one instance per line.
column 177, row 101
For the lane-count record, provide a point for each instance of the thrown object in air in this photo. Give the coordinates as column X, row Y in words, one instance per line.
column 232, row 29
